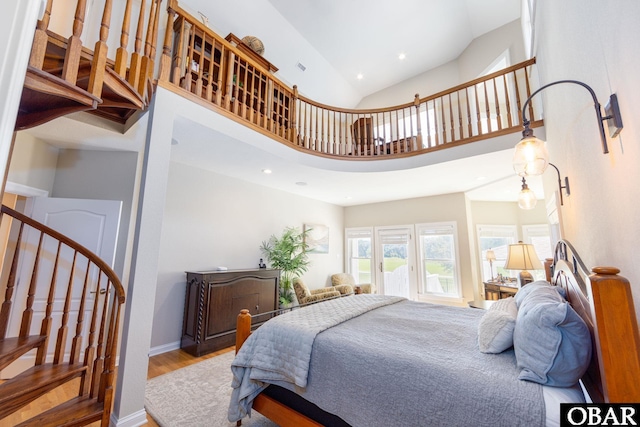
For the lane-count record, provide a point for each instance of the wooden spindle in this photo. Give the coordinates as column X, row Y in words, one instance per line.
column 90, row 350
column 518, row 103
column 5, row 311
column 101, row 348
column 146, row 66
column 154, row 42
column 230, row 85
column 220, row 67
column 200, row 63
column 74, row 45
column 210, row 82
column 245, row 90
column 293, row 123
column 444, row 121
column 136, row 58
column 27, row 314
column 497, row 101
column 469, row 127
column 45, row 328
column 165, row 60
column 460, row 127
column 122, row 55
column 478, row 115
column 61, row 340
column 40, row 39
column 487, row 109
column 99, row 62
column 507, row 102
column 76, row 342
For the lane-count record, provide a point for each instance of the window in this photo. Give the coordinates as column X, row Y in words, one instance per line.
column 498, row 238
column 358, row 243
column 539, row 236
column 437, row 252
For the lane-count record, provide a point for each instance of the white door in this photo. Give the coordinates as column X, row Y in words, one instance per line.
column 92, row 223
column 396, row 261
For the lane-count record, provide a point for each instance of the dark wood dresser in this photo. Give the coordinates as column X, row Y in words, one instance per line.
column 214, row 299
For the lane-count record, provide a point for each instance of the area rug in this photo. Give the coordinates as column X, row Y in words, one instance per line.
column 196, row 396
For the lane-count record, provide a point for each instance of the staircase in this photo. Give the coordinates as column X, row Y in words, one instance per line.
column 59, row 322
column 65, row 77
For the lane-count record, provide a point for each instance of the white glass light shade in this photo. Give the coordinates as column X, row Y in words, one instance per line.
column 530, row 157
column 527, row 199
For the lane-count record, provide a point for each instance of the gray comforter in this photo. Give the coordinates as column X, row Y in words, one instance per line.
column 415, row 364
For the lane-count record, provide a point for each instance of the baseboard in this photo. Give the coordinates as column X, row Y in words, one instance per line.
column 154, row 351
column 134, row 420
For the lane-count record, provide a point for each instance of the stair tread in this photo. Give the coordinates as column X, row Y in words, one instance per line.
column 77, row 411
column 14, row 347
column 33, row 383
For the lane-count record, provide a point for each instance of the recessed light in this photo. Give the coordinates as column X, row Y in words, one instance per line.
column 301, row 183
column 359, row 76
column 267, row 171
column 402, row 56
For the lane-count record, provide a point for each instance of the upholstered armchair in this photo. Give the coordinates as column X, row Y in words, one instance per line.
column 305, row 295
column 341, row 279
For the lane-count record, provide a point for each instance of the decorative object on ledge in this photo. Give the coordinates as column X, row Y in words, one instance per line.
column 254, row 43
column 531, row 156
column 526, row 198
column 522, row 256
column 247, row 50
column 560, row 186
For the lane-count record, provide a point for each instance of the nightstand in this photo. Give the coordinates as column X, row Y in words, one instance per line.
column 498, row 290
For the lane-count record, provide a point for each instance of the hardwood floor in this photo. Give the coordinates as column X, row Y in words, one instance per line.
column 158, row 365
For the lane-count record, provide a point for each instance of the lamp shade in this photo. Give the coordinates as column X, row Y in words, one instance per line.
column 530, row 157
column 490, row 255
column 527, row 199
column 522, row 256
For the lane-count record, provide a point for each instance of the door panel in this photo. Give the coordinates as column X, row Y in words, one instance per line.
column 396, row 261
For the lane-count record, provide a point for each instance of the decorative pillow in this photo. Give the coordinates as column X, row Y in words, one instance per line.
column 495, row 330
column 551, row 341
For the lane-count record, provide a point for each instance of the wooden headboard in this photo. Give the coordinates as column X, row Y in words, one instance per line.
column 603, row 299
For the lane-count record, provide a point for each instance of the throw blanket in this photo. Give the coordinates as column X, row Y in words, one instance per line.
column 280, row 350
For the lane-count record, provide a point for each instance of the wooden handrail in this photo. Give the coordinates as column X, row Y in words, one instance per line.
column 212, row 70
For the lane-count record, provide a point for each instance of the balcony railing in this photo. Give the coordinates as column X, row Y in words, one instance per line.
column 226, row 75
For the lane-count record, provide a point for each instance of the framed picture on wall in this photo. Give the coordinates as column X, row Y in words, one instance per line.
column 317, row 238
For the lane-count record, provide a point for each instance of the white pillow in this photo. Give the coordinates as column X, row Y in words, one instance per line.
column 495, row 330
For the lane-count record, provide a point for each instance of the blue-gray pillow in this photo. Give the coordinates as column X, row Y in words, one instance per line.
column 552, row 343
column 495, row 330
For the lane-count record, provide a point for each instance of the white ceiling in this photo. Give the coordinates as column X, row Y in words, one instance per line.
column 430, row 32
column 365, row 36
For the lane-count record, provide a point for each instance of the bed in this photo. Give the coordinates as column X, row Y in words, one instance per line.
column 370, row 360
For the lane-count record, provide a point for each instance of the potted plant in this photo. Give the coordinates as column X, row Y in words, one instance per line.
column 289, row 254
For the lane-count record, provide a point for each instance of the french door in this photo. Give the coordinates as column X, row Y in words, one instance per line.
column 395, row 255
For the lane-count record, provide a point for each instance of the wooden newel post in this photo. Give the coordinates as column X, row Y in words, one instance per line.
column 293, row 114
column 243, row 328
column 165, row 61
column 623, row 367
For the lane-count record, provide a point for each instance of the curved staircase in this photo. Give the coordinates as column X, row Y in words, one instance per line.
column 59, row 325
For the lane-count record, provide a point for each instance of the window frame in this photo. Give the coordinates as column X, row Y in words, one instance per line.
column 457, row 282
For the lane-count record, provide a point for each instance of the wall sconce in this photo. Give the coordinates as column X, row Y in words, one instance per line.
column 531, row 156
column 560, row 186
column 526, row 198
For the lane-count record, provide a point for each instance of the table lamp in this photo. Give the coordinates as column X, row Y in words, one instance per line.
column 491, row 256
column 522, row 256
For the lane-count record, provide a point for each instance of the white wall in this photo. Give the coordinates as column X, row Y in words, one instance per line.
column 103, row 175
column 212, row 220
column 448, row 207
column 33, row 162
column 479, row 55
column 596, row 42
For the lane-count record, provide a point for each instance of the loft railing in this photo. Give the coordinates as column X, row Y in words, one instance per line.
column 226, row 75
